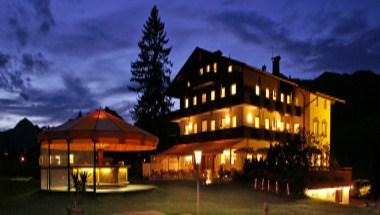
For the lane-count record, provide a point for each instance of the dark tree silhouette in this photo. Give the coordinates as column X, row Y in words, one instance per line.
column 151, row 74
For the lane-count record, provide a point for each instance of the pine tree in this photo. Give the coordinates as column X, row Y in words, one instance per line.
column 151, row 74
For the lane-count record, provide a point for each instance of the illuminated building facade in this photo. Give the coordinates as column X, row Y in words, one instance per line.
column 233, row 112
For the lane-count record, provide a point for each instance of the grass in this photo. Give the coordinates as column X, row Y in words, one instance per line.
column 24, row 197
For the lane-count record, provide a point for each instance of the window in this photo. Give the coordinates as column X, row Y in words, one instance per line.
column 201, row 71
column 267, row 93
column 195, row 128
column 274, row 95
column 257, row 122
column 186, row 102
column 249, row 118
column 186, row 129
column 288, row 99
column 188, row 84
column 315, row 127
column 287, row 127
column 233, row 89
column 278, row 124
column 230, row 68
column 296, row 101
column 204, row 98
column 223, row 123
column 212, row 95
column 208, row 68
column 190, row 127
column 257, row 90
column 282, row 97
column 215, row 67
column 267, row 124
column 222, row 92
column 204, row 125
column 212, row 125
column 233, row 121
column 58, row 159
column 71, row 159
column 296, row 127
column 195, row 100
column 324, row 128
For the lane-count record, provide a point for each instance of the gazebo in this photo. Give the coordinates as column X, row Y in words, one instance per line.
column 79, row 145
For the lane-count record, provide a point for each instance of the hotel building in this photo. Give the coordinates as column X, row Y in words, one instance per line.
column 233, row 112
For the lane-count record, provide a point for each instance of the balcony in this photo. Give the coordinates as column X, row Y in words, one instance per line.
column 239, row 132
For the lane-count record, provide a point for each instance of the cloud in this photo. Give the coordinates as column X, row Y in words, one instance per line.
column 316, row 54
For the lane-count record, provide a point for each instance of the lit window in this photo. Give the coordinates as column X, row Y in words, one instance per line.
column 282, row 127
column 194, row 100
column 223, row 123
column 215, row 67
column 204, row 98
column 212, row 125
column 296, row 101
column 257, row 90
column 273, row 125
column 315, row 127
column 282, row 97
column 233, row 89
column 58, row 159
column 287, row 127
column 230, row 68
column 186, row 129
column 324, row 129
column 257, row 122
column 267, row 93
column 201, row 71
column 190, row 127
column 204, row 125
column 208, row 68
column 212, row 95
column 274, row 95
column 233, row 121
column 195, row 128
column 278, row 124
column 228, row 121
column 222, row 92
column 186, row 102
column 288, row 99
column 249, row 118
column 296, row 128
column 267, row 124
column 71, row 159
column 188, row 84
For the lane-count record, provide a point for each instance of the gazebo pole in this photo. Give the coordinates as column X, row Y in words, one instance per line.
column 48, row 175
column 94, row 170
column 68, row 164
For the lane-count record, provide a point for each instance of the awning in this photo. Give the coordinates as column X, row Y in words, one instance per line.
column 210, row 147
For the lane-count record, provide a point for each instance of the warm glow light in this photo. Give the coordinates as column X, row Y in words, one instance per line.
column 201, row 71
column 228, row 120
column 198, row 156
column 233, row 89
column 257, row 122
column 208, row 68
column 188, row 159
column 212, row 95
column 234, row 122
column 22, row 158
column 105, row 171
column 71, row 159
column 186, row 102
column 329, row 194
column 249, row 118
column 230, row 68
column 194, row 100
column 215, row 67
column 257, row 90
column 222, row 92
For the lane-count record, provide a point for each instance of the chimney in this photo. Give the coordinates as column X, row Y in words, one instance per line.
column 276, row 65
column 264, row 68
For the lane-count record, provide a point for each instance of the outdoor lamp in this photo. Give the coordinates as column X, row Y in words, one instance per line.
column 198, row 156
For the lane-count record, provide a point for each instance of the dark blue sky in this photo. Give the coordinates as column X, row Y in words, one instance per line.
column 59, row 57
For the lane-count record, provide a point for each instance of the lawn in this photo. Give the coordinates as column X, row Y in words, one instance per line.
column 24, row 197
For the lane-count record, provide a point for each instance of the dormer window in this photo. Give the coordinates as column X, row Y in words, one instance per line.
column 230, row 68
column 201, row 71
column 233, row 89
column 215, row 67
column 257, row 90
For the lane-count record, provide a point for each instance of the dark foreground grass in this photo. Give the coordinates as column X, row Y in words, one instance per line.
column 20, row 197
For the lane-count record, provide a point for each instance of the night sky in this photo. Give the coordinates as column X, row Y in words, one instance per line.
column 59, row 57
